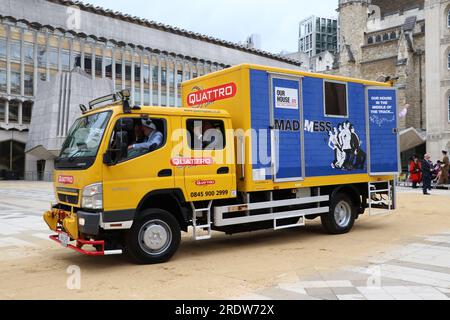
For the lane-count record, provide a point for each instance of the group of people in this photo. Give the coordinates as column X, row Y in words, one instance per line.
column 346, row 144
column 425, row 172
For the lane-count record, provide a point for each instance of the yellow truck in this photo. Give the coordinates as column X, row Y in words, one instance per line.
column 252, row 148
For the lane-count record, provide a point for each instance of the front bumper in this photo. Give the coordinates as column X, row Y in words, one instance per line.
column 67, row 224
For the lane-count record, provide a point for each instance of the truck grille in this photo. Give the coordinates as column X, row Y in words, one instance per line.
column 68, row 198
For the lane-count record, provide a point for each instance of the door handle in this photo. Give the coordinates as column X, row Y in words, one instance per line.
column 165, row 173
column 223, row 170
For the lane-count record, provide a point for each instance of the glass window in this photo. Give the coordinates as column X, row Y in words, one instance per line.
column 2, row 48
column 140, row 139
column 206, row 134
column 13, row 111
column 137, row 70
column 3, row 85
column 108, row 67
column 335, row 99
column 98, row 66
column 42, row 56
column 65, row 60
column 53, row 57
column 127, row 70
column 28, row 53
column 27, row 108
column 15, row 50
column 146, row 74
column 15, row 82
column 28, row 82
column 88, row 63
column 2, row 110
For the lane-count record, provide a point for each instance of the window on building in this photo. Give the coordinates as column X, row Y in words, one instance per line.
column 2, row 110
column 448, row 18
column 449, row 108
column 2, row 48
column 108, row 67
column 3, row 84
column 146, row 73
column 385, row 37
column 53, row 57
column 27, row 108
column 28, row 53
column 448, row 60
column 28, row 82
column 137, row 70
column 206, row 134
column 65, row 60
column 15, row 82
column 98, row 66
column 14, row 111
column 378, row 38
column 15, row 53
column 42, row 56
column 336, row 99
column 393, row 35
column 12, row 158
column 88, row 63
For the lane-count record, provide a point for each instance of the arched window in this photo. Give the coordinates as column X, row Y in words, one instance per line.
column 369, row 40
column 385, row 37
column 449, row 108
column 448, row 61
column 378, row 38
column 448, row 18
column 393, row 35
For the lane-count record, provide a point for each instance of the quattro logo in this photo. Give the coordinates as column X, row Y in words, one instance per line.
column 191, row 162
column 205, row 182
column 207, row 96
column 65, row 179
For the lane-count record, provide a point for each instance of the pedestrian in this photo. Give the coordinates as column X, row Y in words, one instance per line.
column 444, row 168
column 427, row 171
column 415, row 171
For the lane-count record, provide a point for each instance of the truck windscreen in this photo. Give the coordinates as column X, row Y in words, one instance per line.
column 83, row 140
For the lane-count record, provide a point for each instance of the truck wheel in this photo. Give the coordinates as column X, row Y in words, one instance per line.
column 342, row 215
column 154, row 237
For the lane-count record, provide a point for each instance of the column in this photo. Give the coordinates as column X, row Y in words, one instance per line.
column 141, row 56
column 8, row 63
column 103, row 63
column 159, row 80
column 123, row 69
column 113, row 66
column 133, row 77
column 150, row 57
column 47, row 60
column 93, row 48
column 22, row 67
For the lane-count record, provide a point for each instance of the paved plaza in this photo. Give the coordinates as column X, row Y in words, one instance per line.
column 417, row 270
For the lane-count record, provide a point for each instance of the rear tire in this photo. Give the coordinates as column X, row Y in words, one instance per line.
column 342, row 215
column 154, row 237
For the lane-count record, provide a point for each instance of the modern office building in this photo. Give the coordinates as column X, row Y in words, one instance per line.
column 42, row 38
column 318, row 35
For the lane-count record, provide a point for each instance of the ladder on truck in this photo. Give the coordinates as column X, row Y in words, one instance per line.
column 197, row 229
column 381, row 197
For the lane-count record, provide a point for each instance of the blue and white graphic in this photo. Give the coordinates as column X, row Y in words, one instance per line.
column 383, row 131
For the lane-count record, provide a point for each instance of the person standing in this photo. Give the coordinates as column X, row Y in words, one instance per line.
column 445, row 168
column 415, row 171
column 427, row 171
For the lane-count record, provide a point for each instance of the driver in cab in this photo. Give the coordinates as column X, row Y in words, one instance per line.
column 151, row 141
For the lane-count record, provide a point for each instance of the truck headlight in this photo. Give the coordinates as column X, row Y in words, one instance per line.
column 92, row 197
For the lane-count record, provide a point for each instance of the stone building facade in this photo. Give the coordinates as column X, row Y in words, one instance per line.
column 385, row 39
column 40, row 39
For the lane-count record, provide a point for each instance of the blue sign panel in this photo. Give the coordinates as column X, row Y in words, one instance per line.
column 287, row 126
column 383, row 131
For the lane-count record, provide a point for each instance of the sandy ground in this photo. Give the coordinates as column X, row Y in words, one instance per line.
column 226, row 266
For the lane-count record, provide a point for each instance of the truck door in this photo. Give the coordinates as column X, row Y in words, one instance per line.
column 287, row 129
column 207, row 159
column 139, row 171
column 382, row 130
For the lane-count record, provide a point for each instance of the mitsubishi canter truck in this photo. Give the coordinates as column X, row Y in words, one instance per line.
column 252, row 148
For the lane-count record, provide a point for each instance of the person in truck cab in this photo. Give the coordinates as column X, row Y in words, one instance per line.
column 152, row 140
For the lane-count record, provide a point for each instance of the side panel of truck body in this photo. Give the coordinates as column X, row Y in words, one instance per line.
column 270, row 105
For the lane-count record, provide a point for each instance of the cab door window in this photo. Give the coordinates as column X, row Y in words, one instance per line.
column 134, row 137
column 206, row 134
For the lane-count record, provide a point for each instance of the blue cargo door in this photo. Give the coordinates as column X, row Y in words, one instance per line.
column 383, row 132
column 287, row 129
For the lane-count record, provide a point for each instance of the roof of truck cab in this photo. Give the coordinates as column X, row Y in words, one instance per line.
column 163, row 111
column 281, row 71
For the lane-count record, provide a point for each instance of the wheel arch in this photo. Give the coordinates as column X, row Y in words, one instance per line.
column 170, row 200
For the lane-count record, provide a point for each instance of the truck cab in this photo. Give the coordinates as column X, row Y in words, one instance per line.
column 115, row 192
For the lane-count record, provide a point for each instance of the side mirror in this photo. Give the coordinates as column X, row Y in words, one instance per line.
column 110, row 158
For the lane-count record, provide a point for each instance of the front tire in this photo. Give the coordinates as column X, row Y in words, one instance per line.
column 342, row 215
column 154, row 237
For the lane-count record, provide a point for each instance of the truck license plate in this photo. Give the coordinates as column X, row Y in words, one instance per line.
column 64, row 239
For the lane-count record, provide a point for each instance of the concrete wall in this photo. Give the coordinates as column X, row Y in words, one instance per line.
column 110, row 28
